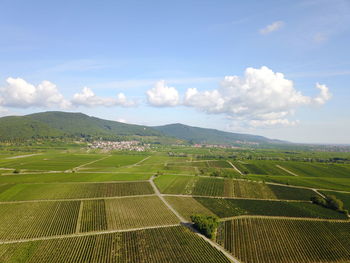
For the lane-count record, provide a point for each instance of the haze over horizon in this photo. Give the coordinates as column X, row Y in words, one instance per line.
column 276, row 69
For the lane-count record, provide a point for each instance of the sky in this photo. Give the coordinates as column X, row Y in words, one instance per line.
column 280, row 69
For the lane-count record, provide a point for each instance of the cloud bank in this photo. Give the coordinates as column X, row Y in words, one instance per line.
column 20, row 94
column 88, row 98
column 162, row 96
column 261, row 98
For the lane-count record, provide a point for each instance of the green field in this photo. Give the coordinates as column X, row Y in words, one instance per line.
column 204, row 186
column 49, row 161
column 21, row 192
column 160, row 245
column 71, row 177
column 340, row 184
column 222, row 208
column 85, row 205
column 38, row 219
column 112, row 163
column 282, row 240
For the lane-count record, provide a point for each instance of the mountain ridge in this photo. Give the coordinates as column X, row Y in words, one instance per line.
column 58, row 124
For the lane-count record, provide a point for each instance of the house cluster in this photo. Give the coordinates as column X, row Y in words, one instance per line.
column 122, row 145
column 215, row 146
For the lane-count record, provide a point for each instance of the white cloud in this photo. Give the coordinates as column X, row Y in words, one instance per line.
column 260, row 98
column 89, row 99
column 324, row 94
column 21, row 94
column 272, row 27
column 162, row 96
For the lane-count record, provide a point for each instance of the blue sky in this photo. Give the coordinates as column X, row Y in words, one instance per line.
column 212, row 64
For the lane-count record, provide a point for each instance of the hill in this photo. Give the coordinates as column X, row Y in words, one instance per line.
column 211, row 136
column 77, row 125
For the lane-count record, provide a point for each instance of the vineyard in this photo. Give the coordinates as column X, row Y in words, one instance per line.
column 282, row 240
column 19, row 192
column 222, row 208
column 49, row 162
column 75, row 206
column 71, row 177
column 112, row 163
column 188, row 206
column 235, row 207
column 38, row 219
column 125, row 213
column 196, row 185
column 160, row 245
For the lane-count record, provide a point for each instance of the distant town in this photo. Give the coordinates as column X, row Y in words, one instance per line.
column 122, row 145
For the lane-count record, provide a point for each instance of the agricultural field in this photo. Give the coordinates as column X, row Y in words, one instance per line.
column 48, row 161
column 222, row 208
column 51, row 191
column 339, row 184
column 79, row 206
column 125, row 213
column 283, row 240
column 37, row 219
column 160, row 245
column 204, row 186
column 111, row 163
column 259, row 167
column 70, row 177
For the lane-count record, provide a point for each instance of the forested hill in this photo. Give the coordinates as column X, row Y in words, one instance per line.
column 210, row 136
column 77, row 125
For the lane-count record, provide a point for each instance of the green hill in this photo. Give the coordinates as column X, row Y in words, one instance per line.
column 57, row 124
column 211, row 136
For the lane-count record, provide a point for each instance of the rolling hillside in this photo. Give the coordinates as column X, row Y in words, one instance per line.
column 66, row 124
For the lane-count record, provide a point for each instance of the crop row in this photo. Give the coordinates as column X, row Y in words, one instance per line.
column 125, row 213
column 196, row 185
column 221, row 207
column 160, row 245
column 19, row 192
column 41, row 219
column 281, row 240
column 29, row 220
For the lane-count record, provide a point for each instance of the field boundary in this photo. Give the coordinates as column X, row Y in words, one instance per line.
column 234, row 167
column 286, row 170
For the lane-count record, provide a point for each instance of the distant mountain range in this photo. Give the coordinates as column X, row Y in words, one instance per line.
column 57, row 124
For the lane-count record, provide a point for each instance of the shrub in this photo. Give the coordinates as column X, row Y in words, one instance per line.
column 334, row 203
column 316, row 199
column 206, row 225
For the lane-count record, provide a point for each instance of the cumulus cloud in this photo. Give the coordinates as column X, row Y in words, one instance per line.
column 272, row 27
column 21, row 94
column 260, row 98
column 161, row 95
column 89, row 99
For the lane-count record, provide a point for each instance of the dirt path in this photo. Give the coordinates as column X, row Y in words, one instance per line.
column 183, row 220
column 190, row 226
column 138, row 163
column 84, row 234
column 94, row 161
column 22, row 156
column 317, row 192
column 234, row 167
column 286, row 170
column 239, row 198
column 73, row 199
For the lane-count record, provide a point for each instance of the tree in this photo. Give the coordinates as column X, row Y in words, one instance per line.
column 206, row 225
column 316, row 199
column 334, row 203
